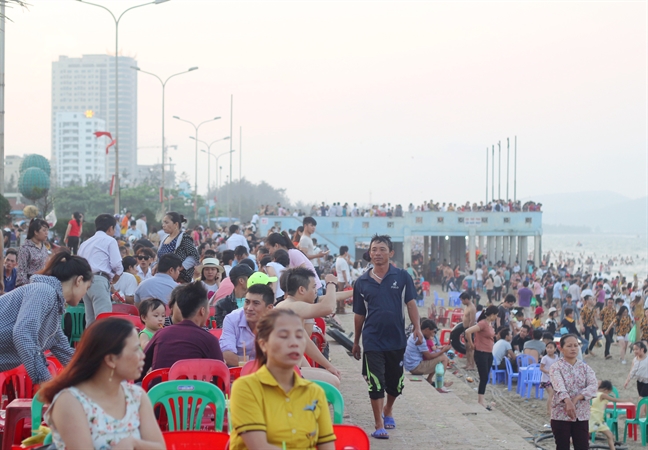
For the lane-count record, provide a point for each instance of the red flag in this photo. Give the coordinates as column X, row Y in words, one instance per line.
column 108, row 135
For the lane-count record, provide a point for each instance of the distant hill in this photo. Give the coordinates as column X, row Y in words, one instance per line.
column 601, row 211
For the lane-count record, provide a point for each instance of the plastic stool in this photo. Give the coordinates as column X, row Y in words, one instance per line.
column 17, row 411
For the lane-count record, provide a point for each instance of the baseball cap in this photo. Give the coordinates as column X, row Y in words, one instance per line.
column 539, row 310
column 260, row 278
column 240, row 270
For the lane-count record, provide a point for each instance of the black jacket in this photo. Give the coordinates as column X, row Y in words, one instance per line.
column 224, row 306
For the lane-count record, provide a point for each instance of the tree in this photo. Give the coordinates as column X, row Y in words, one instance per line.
column 251, row 196
column 11, row 185
column 5, row 209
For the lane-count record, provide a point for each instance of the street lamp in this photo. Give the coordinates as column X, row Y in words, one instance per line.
column 117, row 19
column 196, row 172
column 208, row 167
column 163, row 83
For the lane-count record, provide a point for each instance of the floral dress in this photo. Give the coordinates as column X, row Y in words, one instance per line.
column 105, row 430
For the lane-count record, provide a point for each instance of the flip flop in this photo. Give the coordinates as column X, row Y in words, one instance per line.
column 380, row 434
column 390, row 423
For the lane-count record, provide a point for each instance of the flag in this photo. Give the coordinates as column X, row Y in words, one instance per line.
column 99, row 134
column 51, row 219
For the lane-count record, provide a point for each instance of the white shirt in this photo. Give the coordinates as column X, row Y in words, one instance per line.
column 142, row 227
column 278, row 268
column 500, row 349
column 235, row 240
column 497, row 281
column 142, row 275
column 479, row 275
column 126, row 285
column 255, row 219
column 102, row 253
column 342, row 269
column 306, row 246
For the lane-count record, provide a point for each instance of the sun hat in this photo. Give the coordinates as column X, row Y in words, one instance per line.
column 210, row 262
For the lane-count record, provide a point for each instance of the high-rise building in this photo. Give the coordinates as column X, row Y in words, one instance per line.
column 88, row 84
column 80, row 157
column 12, row 171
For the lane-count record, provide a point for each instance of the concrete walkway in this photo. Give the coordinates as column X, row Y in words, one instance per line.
column 427, row 419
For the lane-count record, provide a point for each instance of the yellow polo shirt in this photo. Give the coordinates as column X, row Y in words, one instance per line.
column 300, row 418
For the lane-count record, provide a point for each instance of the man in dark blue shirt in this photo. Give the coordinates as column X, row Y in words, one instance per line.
column 10, row 273
column 379, row 298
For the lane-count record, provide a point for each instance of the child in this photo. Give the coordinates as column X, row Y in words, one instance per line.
column 152, row 313
column 639, row 369
column 597, row 411
column 551, row 325
column 210, row 275
column 536, row 323
column 545, row 365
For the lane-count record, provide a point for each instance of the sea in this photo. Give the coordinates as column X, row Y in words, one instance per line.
column 630, row 251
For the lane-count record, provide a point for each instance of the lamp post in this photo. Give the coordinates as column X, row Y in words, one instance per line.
column 208, row 167
column 163, row 83
column 196, row 127
column 117, row 19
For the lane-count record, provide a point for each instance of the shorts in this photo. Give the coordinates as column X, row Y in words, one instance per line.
column 622, row 338
column 383, row 371
column 546, row 384
column 642, row 389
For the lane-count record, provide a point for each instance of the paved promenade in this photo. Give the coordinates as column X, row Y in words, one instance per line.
column 425, row 418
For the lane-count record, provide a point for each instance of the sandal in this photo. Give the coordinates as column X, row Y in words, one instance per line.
column 380, row 434
column 390, row 423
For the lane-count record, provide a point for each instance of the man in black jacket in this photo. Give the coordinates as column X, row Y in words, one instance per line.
column 239, row 276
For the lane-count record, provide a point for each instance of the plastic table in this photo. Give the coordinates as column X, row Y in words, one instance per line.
column 631, row 412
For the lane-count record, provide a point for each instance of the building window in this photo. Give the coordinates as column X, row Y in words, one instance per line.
column 460, row 219
column 528, row 220
column 390, row 224
column 439, row 219
column 335, row 224
column 484, row 220
column 507, row 220
column 419, row 220
column 365, row 224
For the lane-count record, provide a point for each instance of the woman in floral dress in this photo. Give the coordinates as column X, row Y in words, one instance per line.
column 92, row 405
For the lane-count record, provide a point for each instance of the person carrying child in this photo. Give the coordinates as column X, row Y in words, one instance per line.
column 597, row 411
column 152, row 314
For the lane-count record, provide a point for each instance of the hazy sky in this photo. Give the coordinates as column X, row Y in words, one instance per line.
column 347, row 101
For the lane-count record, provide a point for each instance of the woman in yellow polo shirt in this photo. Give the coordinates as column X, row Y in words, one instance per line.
column 274, row 407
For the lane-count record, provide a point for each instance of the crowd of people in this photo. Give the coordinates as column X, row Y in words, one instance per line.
column 388, row 210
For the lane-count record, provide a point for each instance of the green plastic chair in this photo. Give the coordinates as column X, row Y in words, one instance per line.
column 37, row 418
column 334, row 397
column 642, row 422
column 185, row 401
column 77, row 314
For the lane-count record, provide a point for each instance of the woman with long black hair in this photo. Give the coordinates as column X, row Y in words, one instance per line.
column 30, row 316
column 484, row 339
column 73, row 232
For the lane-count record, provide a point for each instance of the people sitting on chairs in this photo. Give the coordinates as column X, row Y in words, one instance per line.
column 187, row 339
column 535, row 347
column 163, row 282
column 239, row 327
column 502, row 349
column 274, row 407
column 521, row 338
column 422, row 360
column 94, row 389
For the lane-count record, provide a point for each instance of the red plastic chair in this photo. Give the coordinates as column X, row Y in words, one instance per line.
column 442, row 317
column 218, row 332
column 350, row 437
column 135, row 320
column 161, row 374
column 321, row 324
column 235, row 372
column 125, row 308
column 17, row 413
column 444, row 339
column 14, row 384
column 212, row 311
column 202, row 370
column 196, row 440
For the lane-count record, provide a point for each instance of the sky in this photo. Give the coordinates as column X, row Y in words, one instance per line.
column 365, row 101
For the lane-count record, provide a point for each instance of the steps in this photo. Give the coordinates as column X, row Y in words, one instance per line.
column 427, row 419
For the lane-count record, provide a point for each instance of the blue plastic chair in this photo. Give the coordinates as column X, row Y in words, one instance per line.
column 533, row 378
column 496, row 374
column 438, row 299
column 510, row 375
column 453, row 298
column 523, row 361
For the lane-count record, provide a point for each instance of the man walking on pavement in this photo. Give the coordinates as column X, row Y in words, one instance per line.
column 378, row 298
